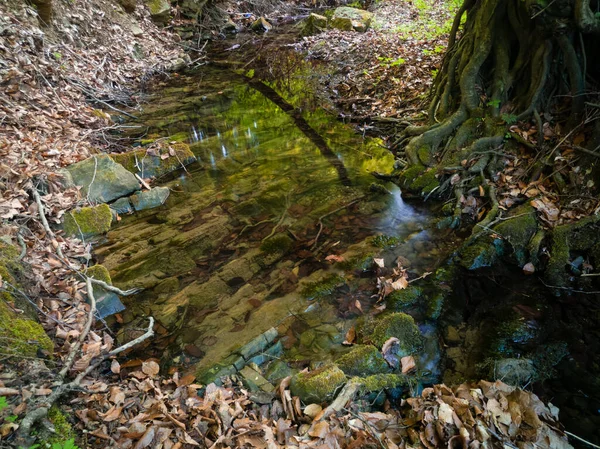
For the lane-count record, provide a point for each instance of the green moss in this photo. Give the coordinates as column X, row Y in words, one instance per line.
column 63, row 429
column 88, row 221
column 140, row 162
column 21, row 335
column 435, row 304
column 425, row 183
column 519, row 231
column 379, row 382
column 179, row 137
column 408, row 176
column 319, row 385
column 401, row 326
column 9, row 265
column 279, row 243
column 322, row 288
column 99, row 272
column 360, row 262
column 483, row 253
column 386, row 241
column 399, row 300
column 362, row 361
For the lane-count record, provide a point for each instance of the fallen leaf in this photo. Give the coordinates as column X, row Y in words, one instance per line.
column 528, row 268
column 408, row 364
column 150, row 368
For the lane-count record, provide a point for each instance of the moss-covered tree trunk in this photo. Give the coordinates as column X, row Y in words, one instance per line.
column 508, row 62
column 512, row 60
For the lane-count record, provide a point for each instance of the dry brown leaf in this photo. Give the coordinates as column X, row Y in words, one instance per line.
column 319, row 430
column 150, row 368
column 350, row 337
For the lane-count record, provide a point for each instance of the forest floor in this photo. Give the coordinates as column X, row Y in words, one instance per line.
column 59, row 88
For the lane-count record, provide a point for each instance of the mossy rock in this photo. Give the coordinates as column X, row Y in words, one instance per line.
column 380, row 382
column 319, row 385
column 149, row 199
column 314, row 24
column 347, row 19
column 400, row 300
column 483, row 253
column 518, row 229
column 63, row 431
column 99, row 272
column 167, row 287
column 160, row 10
column 323, row 288
column 425, row 183
column 399, row 325
column 153, row 166
column 386, row 241
column 9, row 265
column 363, row 360
column 21, row 336
column 88, row 221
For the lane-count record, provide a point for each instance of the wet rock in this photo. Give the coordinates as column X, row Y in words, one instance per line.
column 87, row 221
column 261, row 25
column 258, row 344
column 483, row 253
column 349, row 19
column 122, row 206
column 277, row 370
column 101, row 179
column 363, row 360
column 400, row 300
column 319, row 385
column 518, row 229
column 166, row 158
column 379, row 382
column 192, row 8
column 314, row 24
column 271, row 353
column 452, row 336
column 149, row 199
column 160, row 10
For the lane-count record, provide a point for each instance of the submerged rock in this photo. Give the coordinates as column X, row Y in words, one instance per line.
column 346, row 18
column 363, row 360
column 101, row 179
column 399, row 325
column 319, row 385
column 87, row 221
column 107, row 303
column 166, row 159
column 149, row 199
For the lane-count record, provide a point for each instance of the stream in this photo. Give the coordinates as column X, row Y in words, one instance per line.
column 263, row 254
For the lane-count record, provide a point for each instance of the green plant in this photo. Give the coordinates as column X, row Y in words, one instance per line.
column 11, row 418
column 494, row 103
column 68, row 444
column 509, row 119
column 389, row 62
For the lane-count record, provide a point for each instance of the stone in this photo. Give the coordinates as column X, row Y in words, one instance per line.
column 512, row 371
column 363, row 360
column 261, row 25
column 319, row 385
column 277, row 370
column 87, row 221
column 401, row 326
column 101, row 179
column 168, row 157
column 192, row 8
column 122, row 206
column 149, row 199
column 346, row 18
column 160, row 10
column 314, row 24
column 136, row 30
column 255, row 381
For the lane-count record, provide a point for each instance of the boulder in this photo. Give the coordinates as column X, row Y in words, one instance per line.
column 101, row 179
column 398, row 325
column 160, row 10
column 346, row 18
column 87, row 221
column 149, row 199
column 314, row 24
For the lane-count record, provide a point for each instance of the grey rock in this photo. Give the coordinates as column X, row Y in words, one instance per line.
column 149, row 199
column 101, row 179
column 349, row 19
column 122, row 206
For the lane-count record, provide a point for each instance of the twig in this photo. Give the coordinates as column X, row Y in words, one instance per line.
column 368, row 428
column 112, row 288
column 331, row 213
column 42, row 214
column 22, row 244
column 144, row 183
column 582, row 440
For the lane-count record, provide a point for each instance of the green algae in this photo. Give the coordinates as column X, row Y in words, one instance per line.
column 88, row 221
column 386, row 241
column 379, row 382
column 319, row 385
column 99, row 272
column 362, row 360
column 279, row 243
column 482, row 253
column 323, row 288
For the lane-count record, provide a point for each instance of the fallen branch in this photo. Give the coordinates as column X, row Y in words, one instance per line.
column 331, row 213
